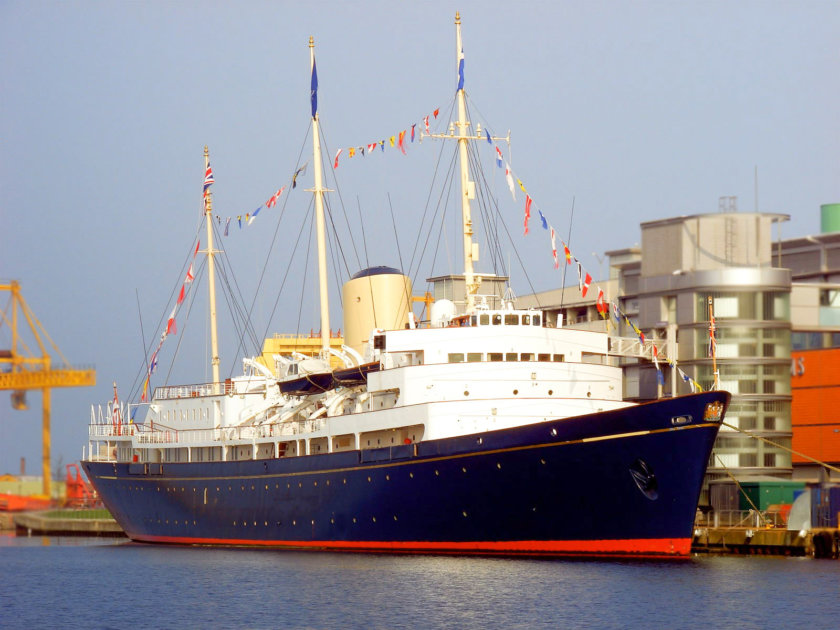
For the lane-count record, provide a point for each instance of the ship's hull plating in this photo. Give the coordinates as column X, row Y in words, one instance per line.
column 612, row 483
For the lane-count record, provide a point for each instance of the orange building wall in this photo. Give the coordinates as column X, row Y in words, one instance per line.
column 815, row 410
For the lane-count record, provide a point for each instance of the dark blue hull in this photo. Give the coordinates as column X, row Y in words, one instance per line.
column 618, row 482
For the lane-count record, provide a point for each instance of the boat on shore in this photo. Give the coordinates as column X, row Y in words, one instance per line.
column 481, row 430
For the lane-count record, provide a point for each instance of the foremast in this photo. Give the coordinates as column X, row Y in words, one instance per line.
column 318, row 190
column 472, row 281
column 211, row 273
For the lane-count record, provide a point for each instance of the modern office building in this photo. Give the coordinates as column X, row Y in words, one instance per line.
column 665, row 287
column 814, row 262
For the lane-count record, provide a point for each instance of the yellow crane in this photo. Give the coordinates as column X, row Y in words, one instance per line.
column 21, row 369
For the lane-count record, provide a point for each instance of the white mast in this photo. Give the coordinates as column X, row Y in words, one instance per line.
column 467, row 187
column 211, row 276
column 319, row 191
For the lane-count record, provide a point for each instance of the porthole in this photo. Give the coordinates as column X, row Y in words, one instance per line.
column 464, row 513
column 368, row 479
column 498, row 465
column 554, row 432
column 436, row 473
column 387, row 477
column 463, row 469
column 550, row 392
column 395, row 517
column 373, row 518
column 354, row 519
column 294, row 522
column 411, row 475
column 466, row 393
column 480, row 441
column 542, row 461
column 515, row 392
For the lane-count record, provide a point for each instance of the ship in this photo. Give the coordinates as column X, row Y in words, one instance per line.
column 481, row 429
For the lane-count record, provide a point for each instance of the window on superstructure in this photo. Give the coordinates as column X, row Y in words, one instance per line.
column 526, row 356
column 474, row 357
column 497, row 319
column 559, row 358
column 494, row 356
column 472, row 320
column 526, row 320
column 536, row 320
column 511, row 356
column 456, row 357
column 484, row 319
column 543, row 357
column 511, row 319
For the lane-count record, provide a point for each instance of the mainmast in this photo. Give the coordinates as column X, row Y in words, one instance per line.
column 319, row 191
column 467, row 187
column 211, row 268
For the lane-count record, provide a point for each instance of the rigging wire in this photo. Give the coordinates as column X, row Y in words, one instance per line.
column 289, row 265
column 305, row 270
column 274, row 237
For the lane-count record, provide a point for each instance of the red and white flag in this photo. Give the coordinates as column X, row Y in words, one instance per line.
column 273, row 200
column 527, row 210
column 190, row 275
column 603, row 309
column 509, row 179
column 170, row 324
column 426, row 122
column 337, row 153
column 554, row 250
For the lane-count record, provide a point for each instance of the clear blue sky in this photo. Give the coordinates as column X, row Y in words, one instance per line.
column 638, row 111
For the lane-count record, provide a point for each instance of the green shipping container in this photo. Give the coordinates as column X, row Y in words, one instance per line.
column 765, row 493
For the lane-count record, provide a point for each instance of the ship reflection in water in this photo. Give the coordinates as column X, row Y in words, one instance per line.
column 91, row 583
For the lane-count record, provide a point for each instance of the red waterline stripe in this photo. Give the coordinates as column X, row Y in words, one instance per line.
column 637, row 546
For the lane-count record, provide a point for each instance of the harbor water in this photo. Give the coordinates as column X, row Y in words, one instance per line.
column 108, row 583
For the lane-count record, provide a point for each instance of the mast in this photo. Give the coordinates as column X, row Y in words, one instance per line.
column 319, row 191
column 467, row 187
column 211, row 277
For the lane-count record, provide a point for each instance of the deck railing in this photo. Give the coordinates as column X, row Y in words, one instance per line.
column 741, row 519
column 143, row 434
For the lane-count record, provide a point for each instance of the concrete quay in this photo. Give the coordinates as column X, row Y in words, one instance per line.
column 818, row 543
column 50, row 524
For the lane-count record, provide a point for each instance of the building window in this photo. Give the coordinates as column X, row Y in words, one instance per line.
column 830, row 297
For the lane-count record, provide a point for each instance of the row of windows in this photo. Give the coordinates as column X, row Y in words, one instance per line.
column 814, row 340
column 766, row 305
column 478, row 357
column 508, row 319
column 201, row 413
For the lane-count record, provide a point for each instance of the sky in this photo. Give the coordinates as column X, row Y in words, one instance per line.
column 625, row 111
